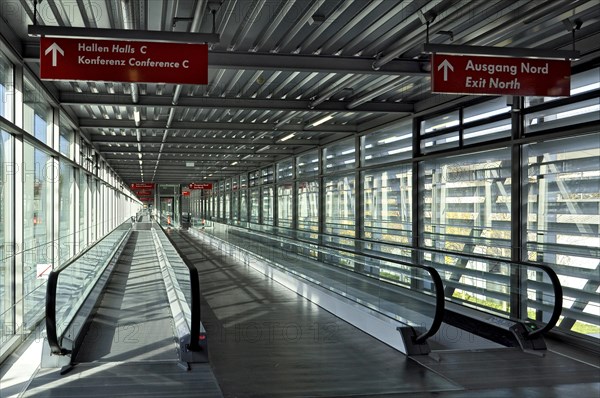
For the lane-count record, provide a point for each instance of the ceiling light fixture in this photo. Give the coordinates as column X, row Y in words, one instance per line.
column 287, row 137
column 320, row 121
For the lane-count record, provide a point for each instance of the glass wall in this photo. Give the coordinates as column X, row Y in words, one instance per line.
column 267, row 205
column 339, row 209
column 93, row 207
column 6, row 88
column 339, row 157
column 54, row 222
column 65, row 212
column 39, row 175
column 37, row 113
column 466, row 203
column 390, row 145
column 255, row 205
column 6, row 235
column 563, row 221
column 387, row 204
column 66, row 140
column 84, row 225
column 308, row 205
column 285, row 205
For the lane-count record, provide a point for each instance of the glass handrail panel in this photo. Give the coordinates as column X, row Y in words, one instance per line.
column 379, row 284
column 474, row 281
column 78, row 277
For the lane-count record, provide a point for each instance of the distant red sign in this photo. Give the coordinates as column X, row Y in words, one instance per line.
column 123, row 61
column 477, row 75
column 202, row 185
column 143, row 193
column 185, row 193
column 142, row 185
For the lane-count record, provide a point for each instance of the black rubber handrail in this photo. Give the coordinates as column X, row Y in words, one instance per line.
column 440, row 304
column 195, row 290
column 558, row 299
column 440, row 301
column 52, row 284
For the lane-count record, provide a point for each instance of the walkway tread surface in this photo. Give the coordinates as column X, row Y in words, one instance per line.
column 133, row 321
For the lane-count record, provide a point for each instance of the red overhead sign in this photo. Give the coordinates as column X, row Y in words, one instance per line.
column 481, row 75
column 185, row 193
column 143, row 193
column 202, row 185
column 142, row 185
column 123, row 61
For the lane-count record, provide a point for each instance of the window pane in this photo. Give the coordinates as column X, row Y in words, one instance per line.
column 387, row 146
column 284, row 170
column 37, row 113
column 487, row 132
column 66, row 184
column 440, row 142
column 267, row 205
column 7, row 97
column 339, row 156
column 66, row 141
column 485, row 109
column 268, row 175
column 244, row 205
column 227, row 205
column 388, row 205
column 284, row 205
column 83, row 210
column 254, row 205
column 308, row 206
column 307, row 164
column 6, row 244
column 563, row 222
column 254, row 178
column 38, row 174
column 339, row 209
column 235, row 205
column 563, row 116
column 466, row 202
column 438, row 123
column 92, row 209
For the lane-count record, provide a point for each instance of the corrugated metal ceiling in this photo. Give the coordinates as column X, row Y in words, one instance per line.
column 280, row 66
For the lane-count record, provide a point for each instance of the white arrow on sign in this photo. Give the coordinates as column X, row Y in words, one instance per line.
column 446, row 65
column 55, row 48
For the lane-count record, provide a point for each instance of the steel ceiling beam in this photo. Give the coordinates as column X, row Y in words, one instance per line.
column 500, row 51
column 180, row 163
column 128, row 140
column 75, row 99
column 167, row 150
column 176, row 125
column 122, row 34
